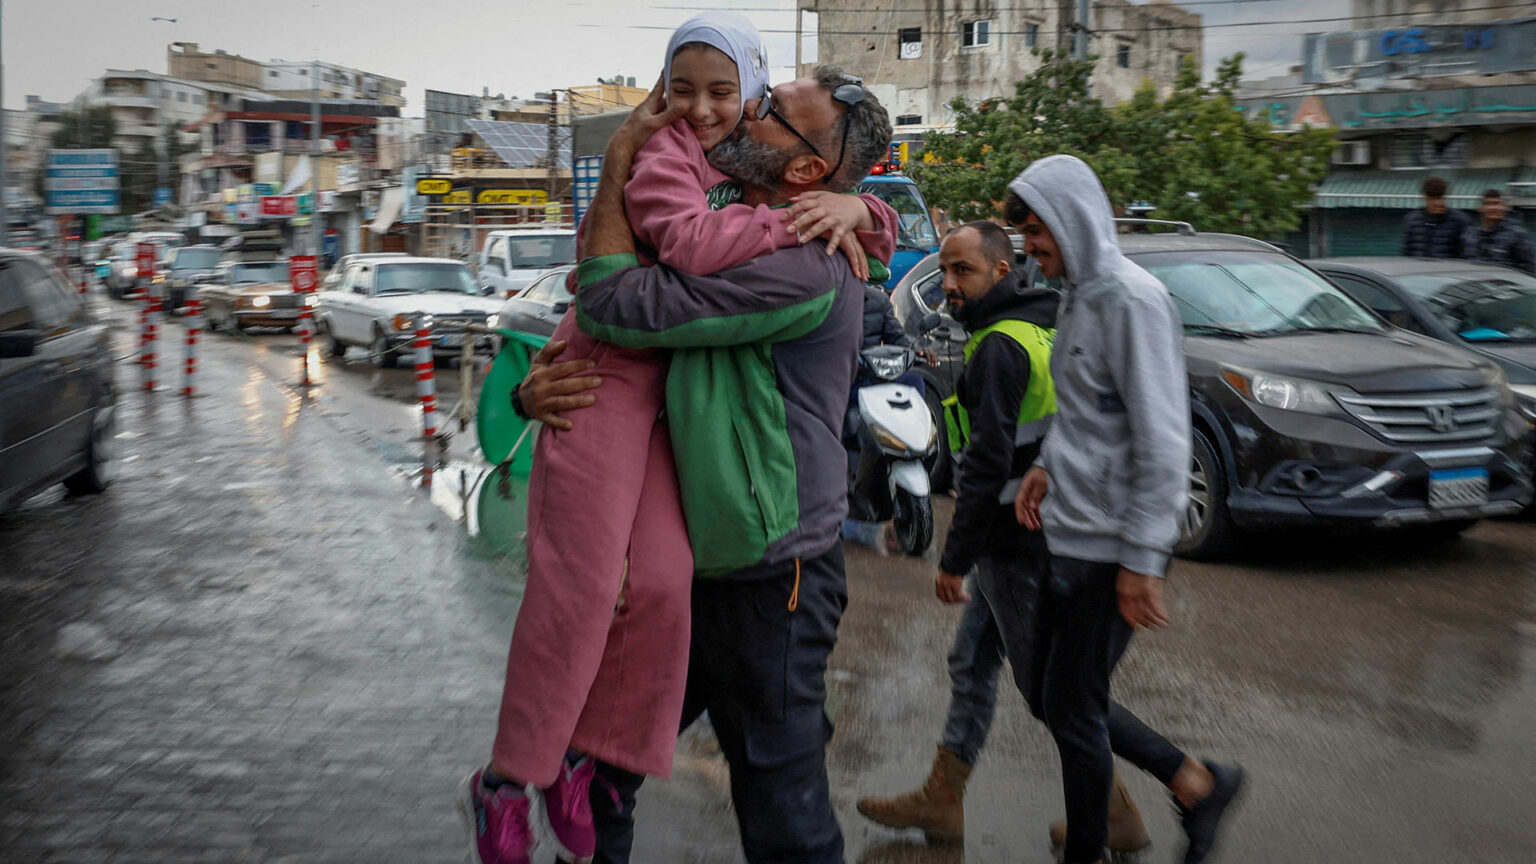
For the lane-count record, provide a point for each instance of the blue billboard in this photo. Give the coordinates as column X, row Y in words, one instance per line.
column 81, row 181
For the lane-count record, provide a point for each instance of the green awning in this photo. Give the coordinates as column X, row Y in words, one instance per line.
column 1400, row 190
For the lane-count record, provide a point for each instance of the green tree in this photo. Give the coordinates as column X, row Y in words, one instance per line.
column 1201, row 160
column 1193, row 156
column 1049, row 112
column 89, row 128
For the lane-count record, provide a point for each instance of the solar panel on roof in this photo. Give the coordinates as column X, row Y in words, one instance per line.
column 523, row 145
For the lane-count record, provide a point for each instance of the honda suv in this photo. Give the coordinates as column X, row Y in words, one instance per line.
column 1309, row 410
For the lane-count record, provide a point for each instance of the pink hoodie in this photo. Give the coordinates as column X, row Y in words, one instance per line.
column 668, row 205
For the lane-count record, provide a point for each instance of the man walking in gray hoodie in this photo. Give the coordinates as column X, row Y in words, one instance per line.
column 1108, row 490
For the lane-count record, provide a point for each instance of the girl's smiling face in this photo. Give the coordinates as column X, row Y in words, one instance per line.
column 705, row 79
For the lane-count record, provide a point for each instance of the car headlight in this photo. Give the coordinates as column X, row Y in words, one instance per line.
column 490, row 321
column 261, row 301
column 311, row 299
column 1525, row 399
column 407, row 322
column 1279, row 391
column 130, row 272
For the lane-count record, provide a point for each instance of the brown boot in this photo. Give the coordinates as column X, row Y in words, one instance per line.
column 1127, row 831
column 937, row 807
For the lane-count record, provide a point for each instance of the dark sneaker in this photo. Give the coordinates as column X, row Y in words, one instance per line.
column 1202, row 821
column 568, row 809
column 499, row 832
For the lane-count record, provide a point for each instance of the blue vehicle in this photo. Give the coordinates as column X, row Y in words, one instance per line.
column 917, row 236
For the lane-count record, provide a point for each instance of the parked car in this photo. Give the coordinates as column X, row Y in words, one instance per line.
column 514, row 257
column 1308, row 410
column 57, row 399
column 244, row 294
column 122, row 270
column 539, row 307
column 334, row 276
column 376, row 300
column 1481, row 307
column 186, row 268
column 916, row 236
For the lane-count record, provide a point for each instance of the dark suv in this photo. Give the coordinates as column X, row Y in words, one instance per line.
column 57, row 400
column 1310, row 410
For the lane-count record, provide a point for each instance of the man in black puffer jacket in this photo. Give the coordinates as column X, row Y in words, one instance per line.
column 1435, row 231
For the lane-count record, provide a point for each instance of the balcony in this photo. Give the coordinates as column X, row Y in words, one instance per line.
column 130, row 100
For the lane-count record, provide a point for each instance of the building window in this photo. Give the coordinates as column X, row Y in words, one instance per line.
column 1031, row 35
column 197, row 98
column 974, row 34
column 1417, row 150
column 1123, row 55
column 181, row 96
column 909, row 120
column 910, row 40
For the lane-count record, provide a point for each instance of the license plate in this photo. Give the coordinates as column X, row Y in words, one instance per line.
column 1458, row 487
column 452, row 340
column 283, row 313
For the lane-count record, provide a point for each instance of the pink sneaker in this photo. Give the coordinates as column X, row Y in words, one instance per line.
column 569, row 811
column 499, row 831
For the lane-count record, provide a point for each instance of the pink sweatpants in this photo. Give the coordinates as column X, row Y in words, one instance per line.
column 599, row 659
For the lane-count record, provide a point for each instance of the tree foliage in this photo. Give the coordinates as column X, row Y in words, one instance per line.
column 89, row 128
column 1192, row 156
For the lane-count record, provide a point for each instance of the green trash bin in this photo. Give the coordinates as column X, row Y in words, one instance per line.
column 497, row 425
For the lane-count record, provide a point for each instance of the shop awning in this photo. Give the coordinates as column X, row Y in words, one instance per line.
column 389, row 210
column 1402, row 190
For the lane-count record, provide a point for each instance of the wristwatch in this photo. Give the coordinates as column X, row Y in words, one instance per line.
column 517, row 402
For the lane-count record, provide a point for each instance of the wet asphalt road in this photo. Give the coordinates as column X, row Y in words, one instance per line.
column 266, row 643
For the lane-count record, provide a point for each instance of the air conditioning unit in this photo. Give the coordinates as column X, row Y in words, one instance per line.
column 1352, row 153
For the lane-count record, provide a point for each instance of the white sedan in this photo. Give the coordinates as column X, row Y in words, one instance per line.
column 376, row 301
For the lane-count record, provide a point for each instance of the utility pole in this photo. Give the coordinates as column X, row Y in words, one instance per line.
column 554, row 148
column 314, row 161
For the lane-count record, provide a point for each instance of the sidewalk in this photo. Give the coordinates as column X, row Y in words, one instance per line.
column 258, row 645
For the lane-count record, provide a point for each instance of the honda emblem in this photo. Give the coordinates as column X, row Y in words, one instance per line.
column 1442, row 418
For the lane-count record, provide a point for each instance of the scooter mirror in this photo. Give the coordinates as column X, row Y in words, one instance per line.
column 930, row 321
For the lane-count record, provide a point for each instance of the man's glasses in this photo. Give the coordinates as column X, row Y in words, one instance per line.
column 850, row 94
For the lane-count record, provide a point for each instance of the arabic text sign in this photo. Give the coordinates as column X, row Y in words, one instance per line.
column 1463, row 106
column 1420, row 51
column 81, row 181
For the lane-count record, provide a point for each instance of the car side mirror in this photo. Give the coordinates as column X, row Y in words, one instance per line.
column 929, row 322
column 561, row 307
column 18, row 343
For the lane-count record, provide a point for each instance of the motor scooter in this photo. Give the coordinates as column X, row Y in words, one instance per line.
column 894, row 431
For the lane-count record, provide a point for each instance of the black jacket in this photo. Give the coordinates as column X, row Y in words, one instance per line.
column 1426, row 236
column 991, row 388
column 880, row 324
column 1505, row 243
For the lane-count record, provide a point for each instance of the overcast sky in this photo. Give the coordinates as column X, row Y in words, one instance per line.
column 53, row 48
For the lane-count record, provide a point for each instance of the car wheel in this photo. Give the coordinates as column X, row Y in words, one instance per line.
column 1207, row 529
column 383, row 357
column 101, row 461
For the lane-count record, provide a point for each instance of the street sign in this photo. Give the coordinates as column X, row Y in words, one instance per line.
column 303, row 273
column 511, row 196
column 81, row 181
column 433, row 187
column 146, row 254
column 306, row 202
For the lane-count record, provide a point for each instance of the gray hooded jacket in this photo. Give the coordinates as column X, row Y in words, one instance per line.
column 1118, row 451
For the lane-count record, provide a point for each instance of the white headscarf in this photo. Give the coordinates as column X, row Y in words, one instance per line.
column 736, row 37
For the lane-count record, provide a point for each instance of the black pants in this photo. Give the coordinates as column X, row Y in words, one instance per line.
column 1063, row 632
column 757, row 664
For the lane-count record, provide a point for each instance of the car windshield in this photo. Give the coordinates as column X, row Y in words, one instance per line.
column 1254, row 294
column 421, row 278
column 1480, row 307
column 546, row 251
column 263, row 271
column 197, row 259
column 916, row 229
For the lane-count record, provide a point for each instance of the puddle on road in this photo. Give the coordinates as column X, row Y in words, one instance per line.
column 490, row 502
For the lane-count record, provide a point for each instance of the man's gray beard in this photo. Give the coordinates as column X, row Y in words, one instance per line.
column 751, row 162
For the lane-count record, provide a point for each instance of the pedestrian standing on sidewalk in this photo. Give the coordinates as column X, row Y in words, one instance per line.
column 1108, row 490
column 1435, row 231
column 1497, row 239
column 997, row 418
column 599, row 653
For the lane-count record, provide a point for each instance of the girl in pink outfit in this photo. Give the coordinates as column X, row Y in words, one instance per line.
column 599, row 654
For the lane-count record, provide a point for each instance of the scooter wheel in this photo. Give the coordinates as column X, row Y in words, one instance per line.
column 913, row 522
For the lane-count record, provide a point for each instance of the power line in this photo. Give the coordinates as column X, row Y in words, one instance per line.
column 1098, row 31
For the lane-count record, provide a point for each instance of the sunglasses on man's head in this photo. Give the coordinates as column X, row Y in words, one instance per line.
column 850, row 94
